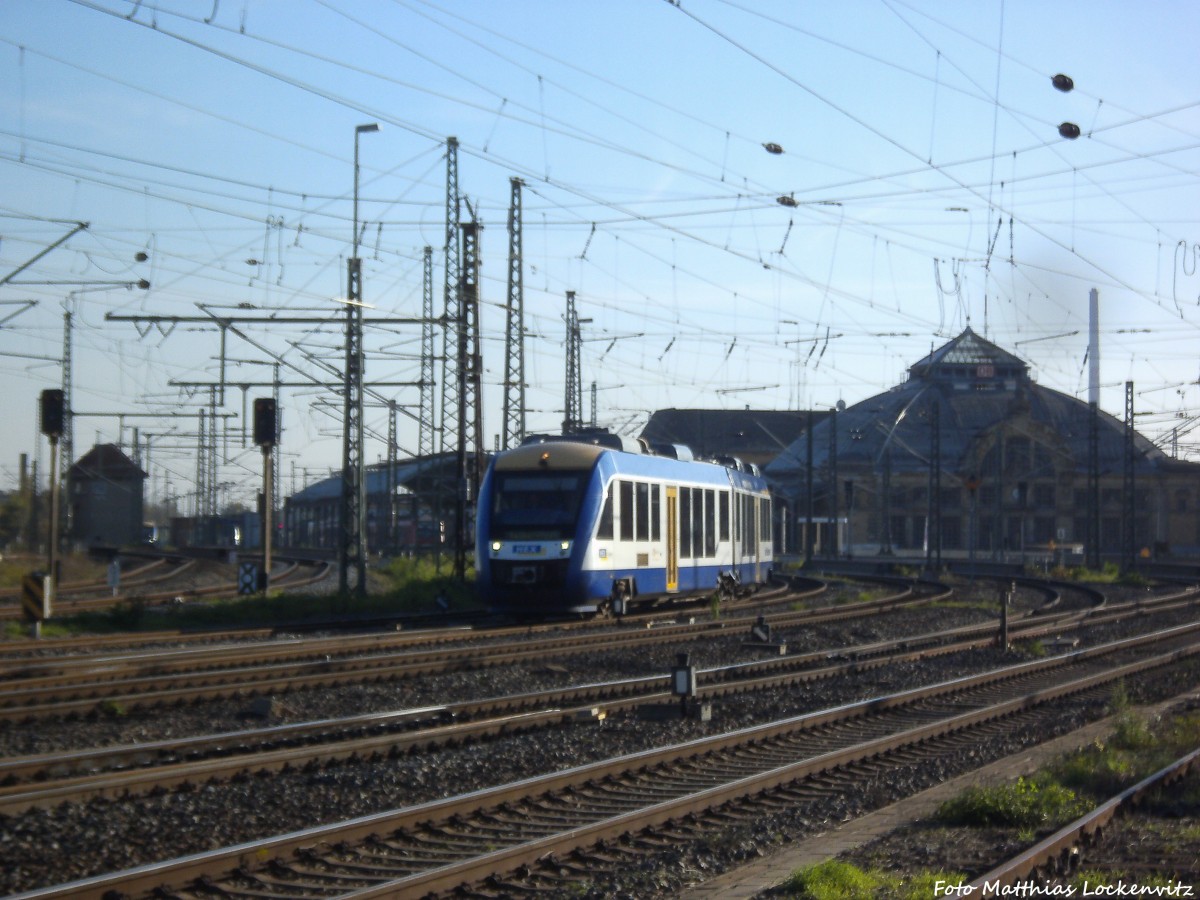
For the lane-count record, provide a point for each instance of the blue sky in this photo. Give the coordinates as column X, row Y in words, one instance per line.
column 920, row 146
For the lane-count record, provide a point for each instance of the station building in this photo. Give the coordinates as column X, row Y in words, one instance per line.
column 971, row 457
column 407, row 508
column 105, row 497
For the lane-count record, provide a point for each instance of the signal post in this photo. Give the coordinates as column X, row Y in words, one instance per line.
column 266, row 431
column 51, row 409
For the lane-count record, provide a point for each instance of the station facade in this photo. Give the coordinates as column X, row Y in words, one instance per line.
column 971, row 457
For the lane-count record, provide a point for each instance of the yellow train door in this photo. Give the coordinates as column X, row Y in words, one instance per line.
column 672, row 538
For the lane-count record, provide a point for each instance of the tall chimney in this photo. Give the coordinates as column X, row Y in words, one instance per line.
column 1094, row 347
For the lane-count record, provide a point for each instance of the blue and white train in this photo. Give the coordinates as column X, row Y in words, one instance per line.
column 586, row 525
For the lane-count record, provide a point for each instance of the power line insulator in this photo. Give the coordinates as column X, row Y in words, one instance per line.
column 1063, row 83
column 1069, row 130
column 773, row 148
column 786, row 200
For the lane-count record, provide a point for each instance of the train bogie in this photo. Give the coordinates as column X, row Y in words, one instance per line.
column 575, row 527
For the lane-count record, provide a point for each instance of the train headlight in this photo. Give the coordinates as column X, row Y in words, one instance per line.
column 496, row 546
column 565, row 546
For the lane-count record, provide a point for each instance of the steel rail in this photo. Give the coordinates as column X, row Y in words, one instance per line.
column 291, row 850
column 323, row 671
column 1047, row 854
column 119, row 678
column 157, row 765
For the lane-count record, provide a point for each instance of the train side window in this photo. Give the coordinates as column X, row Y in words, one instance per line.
column 685, row 523
column 710, row 523
column 604, row 531
column 697, row 522
column 656, row 512
column 723, row 514
column 643, row 511
column 626, row 510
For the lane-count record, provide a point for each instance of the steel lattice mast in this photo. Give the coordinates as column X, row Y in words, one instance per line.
column 425, row 420
column 449, row 433
column 514, row 331
column 470, row 413
column 353, row 552
column 66, row 443
column 201, row 467
column 451, row 259
column 573, row 401
column 392, row 453
column 352, row 557
column 214, row 485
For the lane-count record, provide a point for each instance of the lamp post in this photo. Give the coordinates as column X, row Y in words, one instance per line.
column 353, row 525
column 360, row 129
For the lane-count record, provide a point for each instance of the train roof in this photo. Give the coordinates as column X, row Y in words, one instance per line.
column 600, row 437
column 563, row 454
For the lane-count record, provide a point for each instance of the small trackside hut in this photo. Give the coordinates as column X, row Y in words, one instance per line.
column 587, row 524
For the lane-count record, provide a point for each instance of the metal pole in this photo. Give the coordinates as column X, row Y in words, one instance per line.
column 268, row 516
column 52, row 537
column 353, row 551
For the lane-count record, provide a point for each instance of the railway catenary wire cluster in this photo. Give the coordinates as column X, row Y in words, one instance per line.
column 596, row 524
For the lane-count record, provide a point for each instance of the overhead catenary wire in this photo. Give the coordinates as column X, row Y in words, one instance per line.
column 624, row 290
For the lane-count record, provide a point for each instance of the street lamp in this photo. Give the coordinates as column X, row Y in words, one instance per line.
column 360, row 129
column 352, row 551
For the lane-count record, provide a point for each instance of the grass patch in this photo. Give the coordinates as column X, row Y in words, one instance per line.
column 74, row 567
column 1079, row 780
column 837, row 880
column 1136, row 749
column 1029, row 803
column 1110, row 573
column 1034, row 649
column 402, row 585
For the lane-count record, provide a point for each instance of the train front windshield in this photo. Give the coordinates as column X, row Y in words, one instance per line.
column 535, row 506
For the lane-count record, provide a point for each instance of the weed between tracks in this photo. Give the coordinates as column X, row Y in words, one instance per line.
column 836, row 880
column 1018, row 814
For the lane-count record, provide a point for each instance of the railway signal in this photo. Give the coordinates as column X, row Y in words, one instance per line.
column 266, row 422
column 52, row 412
column 52, row 409
column 266, row 433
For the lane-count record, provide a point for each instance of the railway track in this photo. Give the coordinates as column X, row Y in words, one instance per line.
column 531, row 835
column 49, row 779
column 136, row 586
column 77, row 685
column 144, row 573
